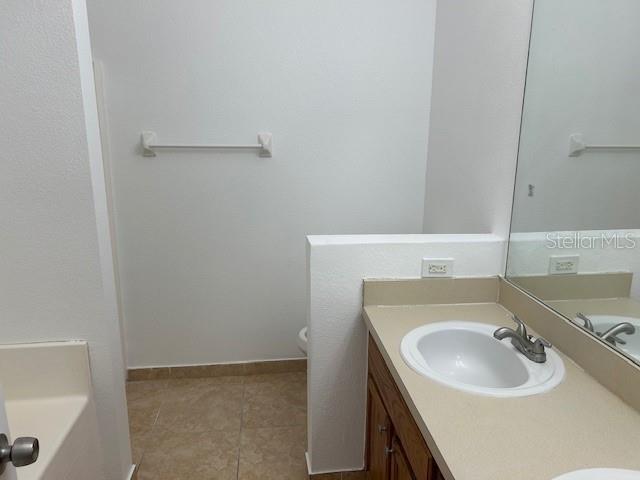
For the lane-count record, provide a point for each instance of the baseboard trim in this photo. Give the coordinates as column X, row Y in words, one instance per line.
column 218, row 369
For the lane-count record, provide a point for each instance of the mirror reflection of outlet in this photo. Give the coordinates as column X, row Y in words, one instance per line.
column 563, row 264
column 437, row 267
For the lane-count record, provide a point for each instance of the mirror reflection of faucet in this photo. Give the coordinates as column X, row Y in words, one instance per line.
column 587, row 322
column 610, row 335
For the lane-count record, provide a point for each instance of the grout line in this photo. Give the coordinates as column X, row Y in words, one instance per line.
column 151, row 430
column 162, row 397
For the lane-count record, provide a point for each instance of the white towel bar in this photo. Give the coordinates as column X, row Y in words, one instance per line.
column 149, row 145
column 577, row 146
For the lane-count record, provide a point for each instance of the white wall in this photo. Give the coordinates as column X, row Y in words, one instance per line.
column 56, row 279
column 599, row 251
column 337, row 365
column 583, row 78
column 212, row 243
column 478, row 84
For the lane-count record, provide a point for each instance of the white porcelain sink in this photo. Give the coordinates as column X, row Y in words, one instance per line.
column 602, row 323
column 601, row 474
column 464, row 355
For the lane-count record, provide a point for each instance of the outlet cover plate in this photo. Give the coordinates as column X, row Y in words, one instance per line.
column 437, row 267
column 563, row 264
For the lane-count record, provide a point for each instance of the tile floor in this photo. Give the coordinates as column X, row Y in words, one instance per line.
column 229, row 428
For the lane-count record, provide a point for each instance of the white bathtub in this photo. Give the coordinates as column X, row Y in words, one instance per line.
column 48, row 395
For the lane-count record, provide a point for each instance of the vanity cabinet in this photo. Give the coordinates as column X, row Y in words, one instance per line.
column 379, row 438
column 396, row 449
column 400, row 469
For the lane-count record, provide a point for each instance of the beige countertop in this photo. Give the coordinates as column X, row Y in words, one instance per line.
column 579, row 424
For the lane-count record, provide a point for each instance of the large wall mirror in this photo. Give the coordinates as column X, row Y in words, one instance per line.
column 575, row 233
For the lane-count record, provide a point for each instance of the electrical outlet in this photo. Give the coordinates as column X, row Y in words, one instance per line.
column 563, row 264
column 437, row 267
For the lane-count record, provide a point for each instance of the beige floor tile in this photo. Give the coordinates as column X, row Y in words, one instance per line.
column 146, row 391
column 172, row 455
column 142, row 416
column 273, row 454
column 143, row 403
column 191, row 389
column 275, row 404
column 203, row 408
column 141, row 421
column 204, row 383
column 206, row 413
column 139, row 440
column 144, row 399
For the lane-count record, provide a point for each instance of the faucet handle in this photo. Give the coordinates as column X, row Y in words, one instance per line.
column 544, row 342
column 540, row 344
column 587, row 321
column 522, row 328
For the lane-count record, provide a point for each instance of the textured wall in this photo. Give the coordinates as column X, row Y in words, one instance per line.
column 337, row 334
column 55, row 278
column 212, row 243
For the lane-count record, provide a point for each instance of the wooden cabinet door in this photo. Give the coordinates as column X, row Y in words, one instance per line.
column 399, row 468
column 378, row 436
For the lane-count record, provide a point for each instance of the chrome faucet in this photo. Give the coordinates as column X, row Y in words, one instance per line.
column 588, row 325
column 611, row 334
column 523, row 342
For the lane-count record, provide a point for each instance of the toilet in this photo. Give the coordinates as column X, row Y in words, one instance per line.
column 302, row 340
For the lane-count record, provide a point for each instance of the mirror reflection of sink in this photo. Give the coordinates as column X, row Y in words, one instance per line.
column 601, row 474
column 464, row 355
column 602, row 323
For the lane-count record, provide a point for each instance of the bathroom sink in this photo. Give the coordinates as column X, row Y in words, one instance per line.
column 601, row 474
column 464, row 355
column 602, row 323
